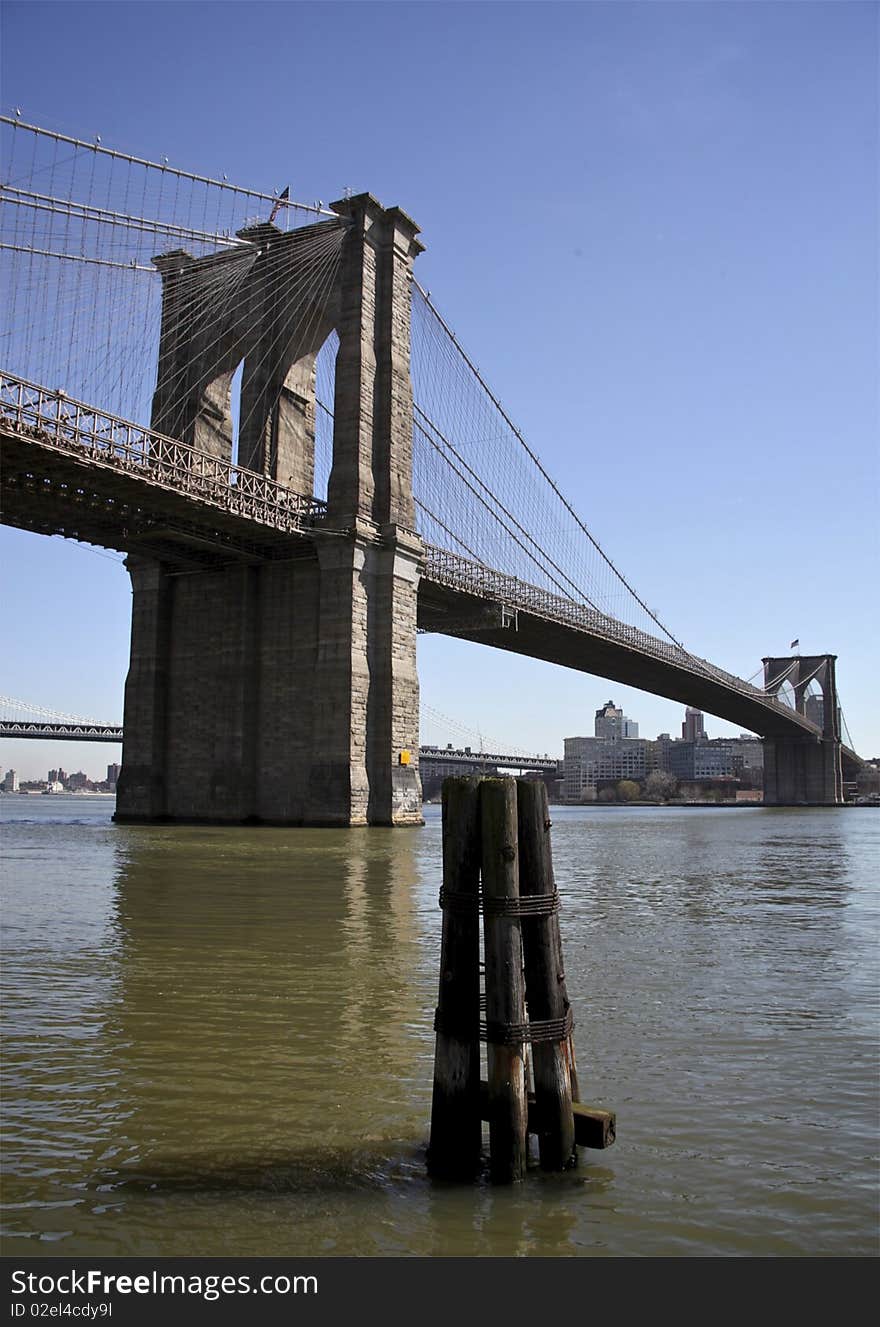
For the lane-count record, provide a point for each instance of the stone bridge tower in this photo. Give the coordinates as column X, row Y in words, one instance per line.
column 285, row 690
column 805, row 770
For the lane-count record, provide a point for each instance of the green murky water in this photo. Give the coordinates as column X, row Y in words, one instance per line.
column 218, row 1041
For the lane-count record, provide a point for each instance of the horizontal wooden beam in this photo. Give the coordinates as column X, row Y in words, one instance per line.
column 592, row 1127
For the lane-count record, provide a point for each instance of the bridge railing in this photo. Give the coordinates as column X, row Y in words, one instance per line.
column 505, row 760
column 80, row 732
column 53, row 419
column 460, row 573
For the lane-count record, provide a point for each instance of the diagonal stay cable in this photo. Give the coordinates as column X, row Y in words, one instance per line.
column 494, row 514
column 538, row 464
column 508, row 514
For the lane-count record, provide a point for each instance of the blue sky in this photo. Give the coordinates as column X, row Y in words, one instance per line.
column 655, row 228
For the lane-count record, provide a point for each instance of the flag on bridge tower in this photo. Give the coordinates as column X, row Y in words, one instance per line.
column 280, row 201
column 795, row 645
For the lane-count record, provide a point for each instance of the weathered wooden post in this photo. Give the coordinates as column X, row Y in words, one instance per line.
column 500, row 829
column 456, row 1127
column 546, row 996
column 505, row 995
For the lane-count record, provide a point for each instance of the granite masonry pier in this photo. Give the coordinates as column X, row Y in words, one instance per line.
column 285, row 690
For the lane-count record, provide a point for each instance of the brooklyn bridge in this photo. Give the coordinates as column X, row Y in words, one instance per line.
column 256, row 401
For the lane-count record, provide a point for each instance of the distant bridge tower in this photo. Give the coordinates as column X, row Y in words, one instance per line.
column 286, row 690
column 804, row 770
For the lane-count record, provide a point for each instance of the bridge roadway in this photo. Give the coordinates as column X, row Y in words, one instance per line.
column 41, row 731
column 73, row 470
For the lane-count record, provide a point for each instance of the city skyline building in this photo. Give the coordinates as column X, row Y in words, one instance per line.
column 814, row 709
column 590, row 762
column 611, row 722
column 616, row 752
column 701, row 759
column 608, row 721
column 693, row 729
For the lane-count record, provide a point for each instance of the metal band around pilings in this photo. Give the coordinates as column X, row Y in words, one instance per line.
column 507, row 1034
column 526, row 905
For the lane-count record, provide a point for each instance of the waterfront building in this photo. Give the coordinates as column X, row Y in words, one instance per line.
column 113, row 772
column 748, row 760
column 702, row 759
column 10, row 782
column 681, row 759
column 658, row 753
column 616, row 753
column 591, row 762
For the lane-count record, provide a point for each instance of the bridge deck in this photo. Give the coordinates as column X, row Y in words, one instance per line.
column 487, row 607
column 71, row 470
column 39, row 731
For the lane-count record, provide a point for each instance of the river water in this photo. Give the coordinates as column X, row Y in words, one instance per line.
column 218, row 1041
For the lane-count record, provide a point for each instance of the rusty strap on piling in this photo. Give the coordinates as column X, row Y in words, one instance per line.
column 511, row 1034
column 506, row 1034
column 527, row 905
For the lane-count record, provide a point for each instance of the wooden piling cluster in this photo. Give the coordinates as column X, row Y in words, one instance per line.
column 496, row 834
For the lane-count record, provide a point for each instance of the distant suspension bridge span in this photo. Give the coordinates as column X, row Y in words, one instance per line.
column 53, row 727
column 258, row 404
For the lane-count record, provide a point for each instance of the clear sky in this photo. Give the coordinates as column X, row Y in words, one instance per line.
column 655, row 227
